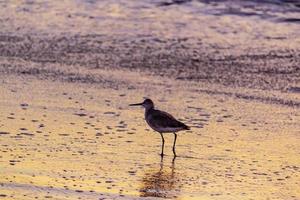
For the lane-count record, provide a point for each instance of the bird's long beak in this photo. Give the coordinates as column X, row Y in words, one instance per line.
column 136, row 104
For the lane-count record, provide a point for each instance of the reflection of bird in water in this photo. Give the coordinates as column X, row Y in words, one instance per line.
column 163, row 183
column 161, row 122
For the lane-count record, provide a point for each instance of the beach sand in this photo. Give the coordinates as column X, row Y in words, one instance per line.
column 70, row 140
column 228, row 69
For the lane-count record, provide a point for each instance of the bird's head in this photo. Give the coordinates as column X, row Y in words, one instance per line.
column 147, row 103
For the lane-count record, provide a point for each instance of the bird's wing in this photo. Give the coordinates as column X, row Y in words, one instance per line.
column 164, row 120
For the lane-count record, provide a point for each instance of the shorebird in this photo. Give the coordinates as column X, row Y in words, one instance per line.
column 162, row 122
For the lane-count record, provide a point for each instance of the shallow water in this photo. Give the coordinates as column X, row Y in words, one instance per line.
column 234, row 43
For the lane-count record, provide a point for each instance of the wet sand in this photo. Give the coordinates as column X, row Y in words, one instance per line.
column 69, row 70
column 70, row 140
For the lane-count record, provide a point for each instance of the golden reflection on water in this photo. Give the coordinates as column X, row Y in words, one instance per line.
column 161, row 182
column 237, row 155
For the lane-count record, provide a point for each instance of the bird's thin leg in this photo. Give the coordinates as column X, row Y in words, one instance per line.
column 173, row 160
column 175, row 137
column 163, row 144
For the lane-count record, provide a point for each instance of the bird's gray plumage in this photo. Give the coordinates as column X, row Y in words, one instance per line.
column 163, row 122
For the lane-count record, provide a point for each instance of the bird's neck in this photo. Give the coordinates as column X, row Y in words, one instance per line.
column 149, row 109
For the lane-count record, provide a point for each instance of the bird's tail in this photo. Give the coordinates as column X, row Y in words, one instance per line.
column 187, row 127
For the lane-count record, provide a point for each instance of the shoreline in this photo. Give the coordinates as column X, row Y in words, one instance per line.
column 184, row 60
